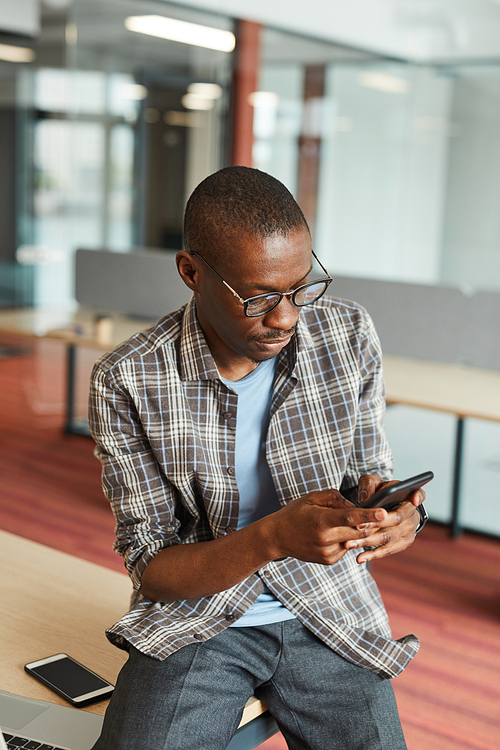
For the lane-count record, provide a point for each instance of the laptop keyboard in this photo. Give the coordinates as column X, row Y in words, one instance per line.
column 14, row 742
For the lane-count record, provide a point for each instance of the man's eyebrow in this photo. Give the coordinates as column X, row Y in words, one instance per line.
column 268, row 288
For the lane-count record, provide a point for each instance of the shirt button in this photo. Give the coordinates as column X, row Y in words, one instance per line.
column 230, row 471
column 198, row 637
column 227, row 415
column 229, row 617
column 267, row 574
column 228, row 529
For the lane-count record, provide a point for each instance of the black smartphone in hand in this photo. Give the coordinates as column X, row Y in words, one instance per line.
column 70, row 679
column 389, row 497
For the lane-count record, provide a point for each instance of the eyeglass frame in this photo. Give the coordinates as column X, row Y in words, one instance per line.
column 246, row 302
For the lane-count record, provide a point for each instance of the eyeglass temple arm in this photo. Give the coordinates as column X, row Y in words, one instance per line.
column 321, row 264
column 231, row 289
column 193, row 252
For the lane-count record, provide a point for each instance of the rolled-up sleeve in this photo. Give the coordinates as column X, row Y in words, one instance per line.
column 142, row 499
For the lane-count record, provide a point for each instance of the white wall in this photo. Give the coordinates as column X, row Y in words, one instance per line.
column 383, row 169
column 277, row 128
column 20, row 16
column 471, row 240
column 413, row 29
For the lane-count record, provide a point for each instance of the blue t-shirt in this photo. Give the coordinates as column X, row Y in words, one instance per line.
column 258, row 497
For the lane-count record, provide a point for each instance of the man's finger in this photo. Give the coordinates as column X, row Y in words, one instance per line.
column 368, row 484
column 417, row 498
column 361, row 518
column 378, row 539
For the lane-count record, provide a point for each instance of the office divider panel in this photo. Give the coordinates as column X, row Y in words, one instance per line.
column 432, row 322
column 413, row 320
column 141, row 283
column 482, row 330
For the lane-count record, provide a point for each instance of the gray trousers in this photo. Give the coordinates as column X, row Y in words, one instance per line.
column 195, row 698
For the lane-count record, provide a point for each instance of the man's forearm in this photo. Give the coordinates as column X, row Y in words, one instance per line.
column 312, row 528
column 191, row 571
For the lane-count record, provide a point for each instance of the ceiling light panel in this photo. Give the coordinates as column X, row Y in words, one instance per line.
column 380, row 81
column 206, row 90
column 182, row 31
column 16, row 54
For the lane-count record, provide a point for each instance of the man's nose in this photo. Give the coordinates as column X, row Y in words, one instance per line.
column 284, row 316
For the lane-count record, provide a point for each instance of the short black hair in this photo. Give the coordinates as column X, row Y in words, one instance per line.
column 238, row 200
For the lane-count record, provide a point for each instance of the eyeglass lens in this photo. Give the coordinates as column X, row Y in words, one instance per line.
column 303, row 296
column 307, row 294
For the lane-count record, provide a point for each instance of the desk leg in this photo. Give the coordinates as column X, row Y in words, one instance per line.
column 70, row 388
column 459, row 439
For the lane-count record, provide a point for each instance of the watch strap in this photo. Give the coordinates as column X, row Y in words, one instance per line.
column 424, row 517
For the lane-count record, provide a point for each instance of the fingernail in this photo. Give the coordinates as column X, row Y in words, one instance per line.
column 363, row 526
column 379, row 514
column 362, row 495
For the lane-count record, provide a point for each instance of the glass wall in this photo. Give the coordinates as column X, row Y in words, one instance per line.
column 395, row 165
column 471, row 223
column 105, row 133
column 114, row 127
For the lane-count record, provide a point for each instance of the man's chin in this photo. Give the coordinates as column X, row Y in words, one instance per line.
column 263, row 359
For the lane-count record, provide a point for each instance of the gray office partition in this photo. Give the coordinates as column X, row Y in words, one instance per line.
column 413, row 320
column 140, row 283
column 482, row 330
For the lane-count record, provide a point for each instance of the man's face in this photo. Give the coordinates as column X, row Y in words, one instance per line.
column 256, row 266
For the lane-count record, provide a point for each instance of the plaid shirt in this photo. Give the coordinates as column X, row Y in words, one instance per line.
column 164, row 425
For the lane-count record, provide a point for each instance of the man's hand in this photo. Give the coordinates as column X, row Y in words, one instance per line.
column 396, row 532
column 315, row 528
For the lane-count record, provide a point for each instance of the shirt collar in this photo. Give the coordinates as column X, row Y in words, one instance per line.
column 196, row 361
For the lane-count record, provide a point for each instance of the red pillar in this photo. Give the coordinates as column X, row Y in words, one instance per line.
column 245, row 82
column 310, row 143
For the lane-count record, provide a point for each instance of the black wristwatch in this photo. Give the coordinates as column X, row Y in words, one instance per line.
column 424, row 517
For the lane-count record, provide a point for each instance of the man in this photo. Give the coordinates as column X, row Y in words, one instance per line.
column 229, row 435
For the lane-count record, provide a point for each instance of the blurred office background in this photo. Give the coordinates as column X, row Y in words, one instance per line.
column 383, row 119
column 381, row 116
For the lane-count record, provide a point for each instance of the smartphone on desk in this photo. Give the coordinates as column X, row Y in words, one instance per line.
column 70, row 679
column 389, row 497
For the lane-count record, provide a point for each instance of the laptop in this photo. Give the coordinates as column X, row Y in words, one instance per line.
column 47, row 723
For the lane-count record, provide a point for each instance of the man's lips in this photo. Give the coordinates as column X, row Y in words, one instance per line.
column 274, row 343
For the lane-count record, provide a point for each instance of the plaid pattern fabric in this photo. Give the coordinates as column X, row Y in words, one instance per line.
column 164, row 426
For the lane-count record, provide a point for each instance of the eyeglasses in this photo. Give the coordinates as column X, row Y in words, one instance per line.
column 264, row 303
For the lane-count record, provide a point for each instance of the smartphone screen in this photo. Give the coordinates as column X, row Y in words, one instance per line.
column 70, row 679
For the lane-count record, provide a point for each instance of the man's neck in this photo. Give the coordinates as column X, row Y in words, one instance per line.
column 236, row 370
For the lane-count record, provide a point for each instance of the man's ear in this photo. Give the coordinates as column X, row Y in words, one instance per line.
column 186, row 269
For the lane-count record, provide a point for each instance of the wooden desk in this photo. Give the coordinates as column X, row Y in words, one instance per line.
column 53, row 603
column 466, row 392
column 71, row 326
column 76, row 330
